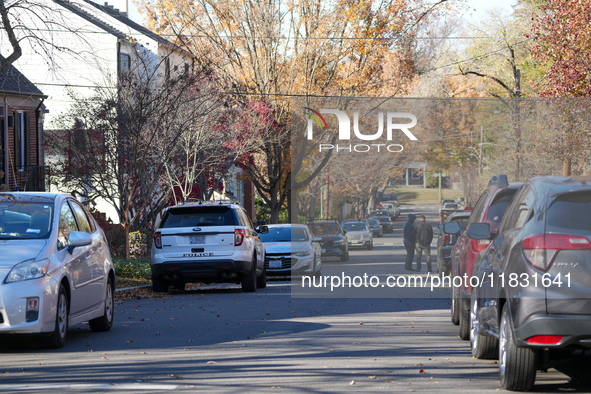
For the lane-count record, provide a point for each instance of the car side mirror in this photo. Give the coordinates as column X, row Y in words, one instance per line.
column 451, row 228
column 437, row 231
column 78, row 238
column 479, row 231
column 262, row 230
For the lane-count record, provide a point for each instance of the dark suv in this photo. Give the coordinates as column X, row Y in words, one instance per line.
column 489, row 208
column 333, row 239
column 445, row 242
column 535, row 296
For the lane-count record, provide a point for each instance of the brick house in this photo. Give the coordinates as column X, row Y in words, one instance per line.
column 22, row 161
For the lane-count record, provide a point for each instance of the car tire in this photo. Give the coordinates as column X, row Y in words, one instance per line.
column 57, row 339
column 464, row 329
column 482, row 346
column 249, row 281
column 262, row 280
column 370, row 246
column 105, row 322
column 345, row 257
column 517, row 365
column 159, row 284
column 455, row 311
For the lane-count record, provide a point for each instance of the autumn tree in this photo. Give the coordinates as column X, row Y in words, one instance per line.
column 116, row 144
column 275, row 49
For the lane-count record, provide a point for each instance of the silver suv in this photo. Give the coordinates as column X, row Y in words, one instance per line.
column 207, row 242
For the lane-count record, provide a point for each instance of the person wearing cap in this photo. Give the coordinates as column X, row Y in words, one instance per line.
column 423, row 233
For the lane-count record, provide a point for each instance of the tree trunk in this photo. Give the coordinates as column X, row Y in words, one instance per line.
column 291, row 218
column 274, row 205
column 126, row 227
column 567, row 167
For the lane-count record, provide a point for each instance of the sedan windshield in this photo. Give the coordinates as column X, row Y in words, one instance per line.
column 25, row 220
column 285, row 234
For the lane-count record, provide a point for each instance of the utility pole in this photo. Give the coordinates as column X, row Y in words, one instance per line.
column 518, row 125
column 327, row 197
column 480, row 155
column 439, row 186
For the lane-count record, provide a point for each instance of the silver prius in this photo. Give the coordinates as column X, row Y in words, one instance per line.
column 55, row 267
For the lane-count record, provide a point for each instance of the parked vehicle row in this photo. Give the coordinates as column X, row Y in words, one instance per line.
column 531, row 308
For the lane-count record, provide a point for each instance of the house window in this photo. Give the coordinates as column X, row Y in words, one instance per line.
column 416, row 173
column 22, row 154
column 124, row 63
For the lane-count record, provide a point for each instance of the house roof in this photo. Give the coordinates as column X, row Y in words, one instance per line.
column 90, row 18
column 135, row 26
column 14, row 82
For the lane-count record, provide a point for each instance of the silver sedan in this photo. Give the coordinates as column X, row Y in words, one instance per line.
column 56, row 269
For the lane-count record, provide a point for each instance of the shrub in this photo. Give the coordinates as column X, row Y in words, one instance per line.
column 133, row 268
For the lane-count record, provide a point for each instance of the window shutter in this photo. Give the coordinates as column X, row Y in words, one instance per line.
column 16, row 154
column 27, row 144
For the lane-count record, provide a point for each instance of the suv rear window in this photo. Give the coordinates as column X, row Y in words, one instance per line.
column 498, row 207
column 198, row 216
column 572, row 211
column 462, row 222
column 324, row 228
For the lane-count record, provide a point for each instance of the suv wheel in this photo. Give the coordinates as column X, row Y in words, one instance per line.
column 455, row 312
column 483, row 346
column 159, row 284
column 345, row 257
column 517, row 365
column 249, row 281
column 464, row 332
column 370, row 245
column 262, row 280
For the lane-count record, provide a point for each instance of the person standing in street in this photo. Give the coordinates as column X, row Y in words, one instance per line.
column 423, row 233
column 409, row 241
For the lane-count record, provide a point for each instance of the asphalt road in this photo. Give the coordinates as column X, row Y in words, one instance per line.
column 218, row 339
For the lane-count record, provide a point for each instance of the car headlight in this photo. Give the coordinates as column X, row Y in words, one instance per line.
column 301, row 254
column 28, row 270
column 340, row 242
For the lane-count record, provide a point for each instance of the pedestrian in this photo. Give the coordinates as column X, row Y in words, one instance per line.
column 409, row 241
column 423, row 232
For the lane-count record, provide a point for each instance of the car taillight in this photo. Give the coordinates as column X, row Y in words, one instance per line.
column 157, row 240
column 480, row 244
column 540, row 249
column 238, row 237
column 544, row 339
column 446, row 240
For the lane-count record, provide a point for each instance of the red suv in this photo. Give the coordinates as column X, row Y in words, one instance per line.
column 489, row 208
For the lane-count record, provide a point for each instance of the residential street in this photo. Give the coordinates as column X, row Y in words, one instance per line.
column 220, row 339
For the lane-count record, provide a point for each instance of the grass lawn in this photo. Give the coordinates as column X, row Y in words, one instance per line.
column 419, row 195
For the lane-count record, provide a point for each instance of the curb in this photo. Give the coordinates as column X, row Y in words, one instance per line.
column 131, row 288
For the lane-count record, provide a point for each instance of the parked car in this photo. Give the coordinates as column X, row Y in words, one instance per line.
column 535, row 300
column 447, row 201
column 359, row 233
column 447, row 209
column 291, row 250
column 388, row 197
column 384, row 218
column 333, row 240
column 393, row 208
column 445, row 242
column 489, row 208
column 56, row 267
column 376, row 227
column 207, row 241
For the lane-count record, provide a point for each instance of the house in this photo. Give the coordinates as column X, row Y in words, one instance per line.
column 97, row 43
column 22, row 161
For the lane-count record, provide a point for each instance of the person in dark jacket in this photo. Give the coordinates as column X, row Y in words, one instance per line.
column 409, row 241
column 423, row 232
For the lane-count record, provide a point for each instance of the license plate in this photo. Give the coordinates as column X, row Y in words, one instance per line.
column 323, row 251
column 274, row 264
column 197, row 239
